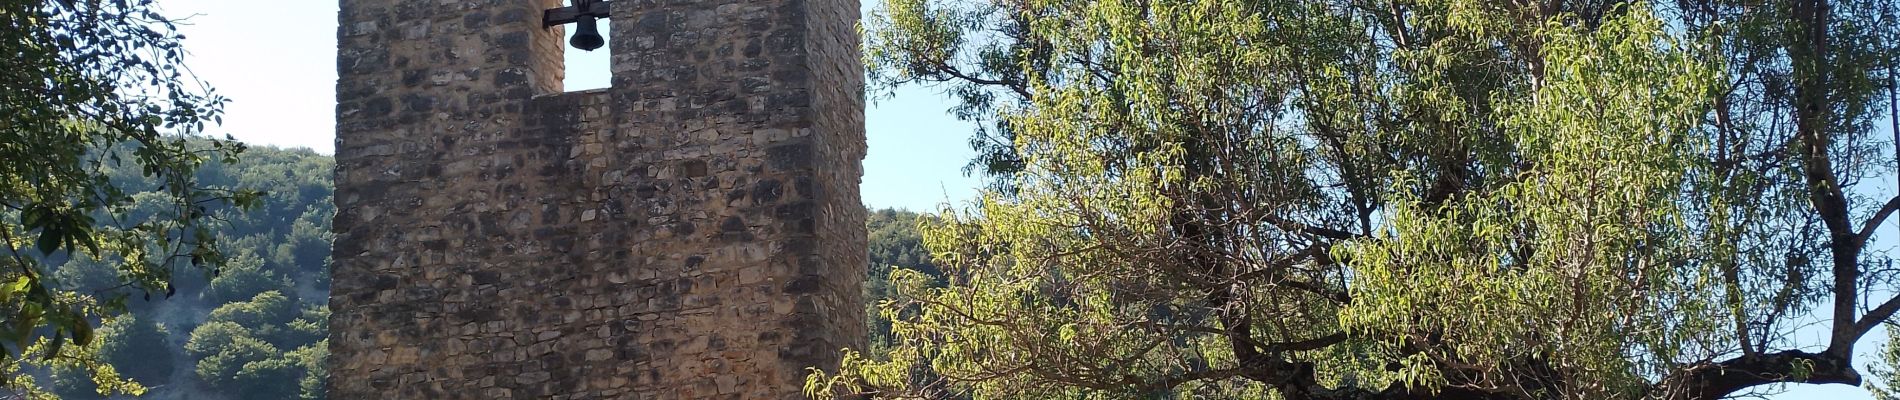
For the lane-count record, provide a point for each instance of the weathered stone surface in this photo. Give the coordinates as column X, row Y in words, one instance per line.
column 694, row 231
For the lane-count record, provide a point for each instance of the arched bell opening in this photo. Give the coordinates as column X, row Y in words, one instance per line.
column 586, row 56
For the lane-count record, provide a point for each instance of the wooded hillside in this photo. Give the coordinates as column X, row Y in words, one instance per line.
column 255, row 328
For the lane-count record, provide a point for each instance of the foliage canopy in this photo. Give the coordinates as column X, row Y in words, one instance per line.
column 1370, row 199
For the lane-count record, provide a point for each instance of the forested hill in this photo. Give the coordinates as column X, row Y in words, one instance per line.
column 255, row 328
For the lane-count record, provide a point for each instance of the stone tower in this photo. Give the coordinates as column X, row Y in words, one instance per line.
column 694, row 231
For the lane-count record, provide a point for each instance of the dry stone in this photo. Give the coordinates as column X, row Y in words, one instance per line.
column 694, row 231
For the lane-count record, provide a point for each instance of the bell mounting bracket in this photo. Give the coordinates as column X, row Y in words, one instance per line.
column 585, row 15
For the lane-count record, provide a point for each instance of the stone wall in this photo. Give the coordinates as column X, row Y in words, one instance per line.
column 694, row 231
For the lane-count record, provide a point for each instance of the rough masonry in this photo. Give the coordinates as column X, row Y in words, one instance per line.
column 694, row 231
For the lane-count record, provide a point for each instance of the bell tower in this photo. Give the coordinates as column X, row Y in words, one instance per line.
column 693, row 231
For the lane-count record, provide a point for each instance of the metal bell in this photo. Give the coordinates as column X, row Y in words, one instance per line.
column 587, row 34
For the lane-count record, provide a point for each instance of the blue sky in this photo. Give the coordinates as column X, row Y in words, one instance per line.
column 276, row 59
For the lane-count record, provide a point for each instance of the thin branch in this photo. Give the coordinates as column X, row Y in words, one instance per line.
column 1867, row 229
column 1296, row 227
column 1873, row 318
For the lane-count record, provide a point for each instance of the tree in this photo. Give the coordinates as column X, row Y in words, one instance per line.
column 894, row 243
column 137, row 347
column 231, row 361
column 214, row 337
column 1367, row 199
column 297, row 214
column 893, row 240
column 265, row 316
column 255, row 348
column 308, row 245
column 270, row 378
column 75, row 372
column 73, row 383
column 86, row 275
column 312, row 359
column 1887, row 378
column 241, row 279
column 242, row 362
column 90, row 87
column 126, row 343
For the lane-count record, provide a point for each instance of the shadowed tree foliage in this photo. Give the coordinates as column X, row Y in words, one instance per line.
column 1368, row 199
column 123, row 340
column 139, row 345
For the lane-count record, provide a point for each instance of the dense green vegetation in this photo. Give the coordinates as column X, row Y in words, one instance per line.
column 1397, row 199
column 895, row 243
column 252, row 328
column 93, row 165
